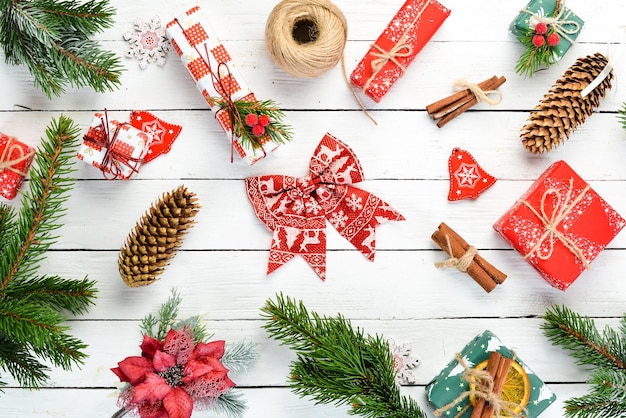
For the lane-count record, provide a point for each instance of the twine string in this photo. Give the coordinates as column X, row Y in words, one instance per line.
column 113, row 159
column 9, row 163
column 483, row 389
column 323, row 52
column 480, row 94
column 563, row 207
column 557, row 21
column 462, row 263
column 383, row 57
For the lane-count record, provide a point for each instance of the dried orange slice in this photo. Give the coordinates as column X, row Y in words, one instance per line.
column 516, row 387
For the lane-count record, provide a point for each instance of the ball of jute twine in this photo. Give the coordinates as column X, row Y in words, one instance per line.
column 306, row 38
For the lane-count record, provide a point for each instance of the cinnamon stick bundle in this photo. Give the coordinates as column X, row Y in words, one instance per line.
column 498, row 368
column 452, row 106
column 483, row 273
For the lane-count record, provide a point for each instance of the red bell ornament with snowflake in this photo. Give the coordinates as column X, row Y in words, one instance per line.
column 467, row 179
column 296, row 209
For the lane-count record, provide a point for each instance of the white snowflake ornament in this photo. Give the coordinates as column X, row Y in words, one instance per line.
column 148, row 42
column 404, row 362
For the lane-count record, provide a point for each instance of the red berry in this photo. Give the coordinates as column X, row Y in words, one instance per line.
column 258, row 130
column 251, row 119
column 541, row 28
column 264, row 120
column 538, row 40
column 553, row 39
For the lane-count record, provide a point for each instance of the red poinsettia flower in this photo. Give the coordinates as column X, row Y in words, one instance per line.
column 170, row 375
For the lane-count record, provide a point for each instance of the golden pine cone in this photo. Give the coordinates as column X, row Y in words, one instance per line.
column 156, row 237
column 563, row 108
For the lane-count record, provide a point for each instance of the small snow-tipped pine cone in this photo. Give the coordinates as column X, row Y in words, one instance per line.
column 157, row 236
column 563, row 109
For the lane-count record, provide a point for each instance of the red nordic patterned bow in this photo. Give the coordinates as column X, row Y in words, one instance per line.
column 296, row 209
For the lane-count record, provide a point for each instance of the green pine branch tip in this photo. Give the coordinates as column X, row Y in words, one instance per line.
column 604, row 352
column 33, row 330
column 337, row 363
column 51, row 38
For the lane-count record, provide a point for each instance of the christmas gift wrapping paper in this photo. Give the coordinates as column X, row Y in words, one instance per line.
column 215, row 74
column 449, row 384
column 118, row 149
column 403, row 38
column 15, row 160
column 560, row 225
column 568, row 25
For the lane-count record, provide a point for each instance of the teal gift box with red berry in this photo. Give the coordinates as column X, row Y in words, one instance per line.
column 549, row 23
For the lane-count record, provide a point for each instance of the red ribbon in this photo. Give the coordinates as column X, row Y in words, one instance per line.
column 113, row 160
column 296, row 209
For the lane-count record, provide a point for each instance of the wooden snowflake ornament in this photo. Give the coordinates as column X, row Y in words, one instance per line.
column 467, row 179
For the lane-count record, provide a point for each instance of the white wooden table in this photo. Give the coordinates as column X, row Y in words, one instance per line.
column 220, row 270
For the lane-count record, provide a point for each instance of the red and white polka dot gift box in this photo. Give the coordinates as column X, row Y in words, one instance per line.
column 214, row 72
column 118, row 149
column 15, row 160
column 403, row 38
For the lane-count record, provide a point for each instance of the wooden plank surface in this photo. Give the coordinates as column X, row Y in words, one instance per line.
column 220, row 270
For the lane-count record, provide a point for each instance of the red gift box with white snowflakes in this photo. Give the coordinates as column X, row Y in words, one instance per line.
column 215, row 74
column 560, row 225
column 118, row 149
column 403, row 38
column 15, row 160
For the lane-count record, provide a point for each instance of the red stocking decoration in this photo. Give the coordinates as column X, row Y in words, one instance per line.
column 467, row 178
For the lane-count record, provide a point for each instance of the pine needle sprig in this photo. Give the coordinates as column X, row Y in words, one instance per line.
column 31, row 305
column 276, row 131
column 337, row 363
column 533, row 58
column 51, row 37
column 621, row 115
column 158, row 326
column 604, row 352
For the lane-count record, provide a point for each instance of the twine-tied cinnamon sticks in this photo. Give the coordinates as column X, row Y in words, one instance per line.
column 452, row 106
column 465, row 258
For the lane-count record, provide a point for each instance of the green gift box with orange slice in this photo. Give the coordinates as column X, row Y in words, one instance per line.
column 523, row 391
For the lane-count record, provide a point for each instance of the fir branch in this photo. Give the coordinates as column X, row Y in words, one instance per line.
column 166, row 319
column 54, row 291
column 621, row 115
column 231, row 403
column 42, row 205
column 51, row 38
column 239, row 356
column 85, row 64
column 336, row 363
column 30, row 322
column 605, row 351
column 89, row 18
column 581, row 337
column 18, row 362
